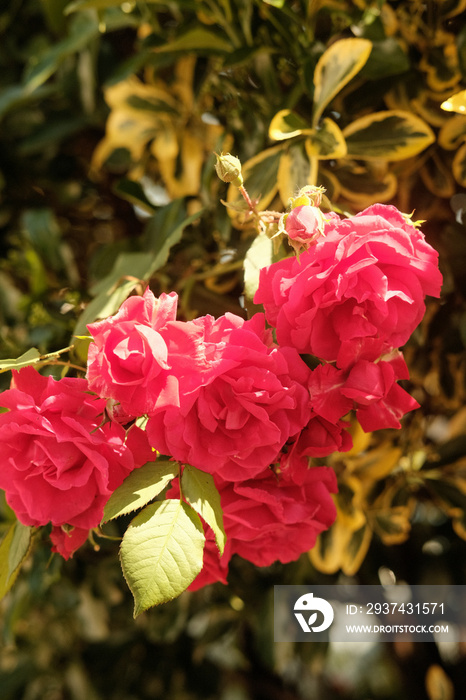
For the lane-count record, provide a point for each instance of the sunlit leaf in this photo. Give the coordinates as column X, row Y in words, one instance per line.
column 30, row 357
column 286, row 124
column 14, row 548
column 199, row 490
column 455, row 103
column 162, row 552
column 260, row 254
column 376, row 463
column 335, row 68
column 391, row 135
column 326, row 141
column 139, row 488
column 341, row 549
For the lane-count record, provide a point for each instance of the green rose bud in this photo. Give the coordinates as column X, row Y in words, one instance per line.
column 229, row 169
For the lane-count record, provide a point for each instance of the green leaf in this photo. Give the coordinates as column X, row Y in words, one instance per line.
column 259, row 255
column 200, row 491
column 83, row 29
column 28, row 358
column 139, row 488
column 162, row 552
column 91, row 5
column 392, row 135
column 14, row 549
column 326, row 142
column 41, row 228
column 196, row 39
column 335, row 68
column 387, row 58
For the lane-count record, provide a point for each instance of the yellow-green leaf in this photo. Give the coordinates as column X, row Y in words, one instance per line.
column 340, row 548
column 437, row 177
column 335, row 68
column 139, row 488
column 30, row 357
column 259, row 255
column 286, row 124
column 199, row 490
column 392, row 135
column 326, row 142
column 14, row 549
column 162, row 552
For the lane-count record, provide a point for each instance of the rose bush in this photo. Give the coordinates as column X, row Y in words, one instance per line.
column 60, row 464
column 357, row 293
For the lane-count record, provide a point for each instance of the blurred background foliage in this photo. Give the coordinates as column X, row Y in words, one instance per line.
column 110, row 113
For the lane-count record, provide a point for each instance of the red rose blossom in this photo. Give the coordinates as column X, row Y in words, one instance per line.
column 357, row 293
column 241, row 397
column 60, row 463
column 127, row 361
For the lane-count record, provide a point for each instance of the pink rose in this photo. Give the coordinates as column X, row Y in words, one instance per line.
column 241, row 397
column 66, row 540
column 128, row 360
column 379, row 401
column 60, row 463
column 357, row 293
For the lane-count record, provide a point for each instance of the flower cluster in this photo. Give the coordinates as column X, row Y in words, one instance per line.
column 224, row 396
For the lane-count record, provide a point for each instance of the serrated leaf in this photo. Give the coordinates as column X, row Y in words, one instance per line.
column 286, row 124
column 335, row 68
column 162, row 552
column 392, row 135
column 30, row 357
column 139, row 488
column 14, row 549
column 326, row 142
column 200, row 491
